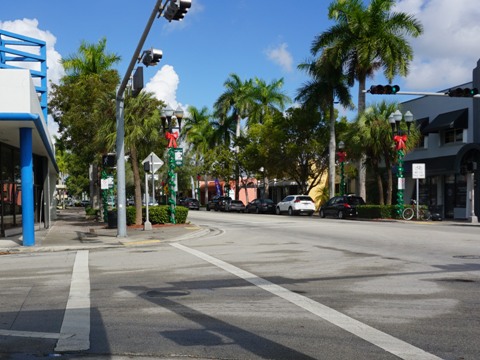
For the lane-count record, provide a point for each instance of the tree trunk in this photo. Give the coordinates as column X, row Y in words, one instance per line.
column 389, row 182
column 362, row 169
column 331, row 154
column 138, row 186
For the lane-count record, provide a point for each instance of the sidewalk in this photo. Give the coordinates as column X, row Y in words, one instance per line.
column 72, row 231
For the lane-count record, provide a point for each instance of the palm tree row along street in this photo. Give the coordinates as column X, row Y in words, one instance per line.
column 253, row 124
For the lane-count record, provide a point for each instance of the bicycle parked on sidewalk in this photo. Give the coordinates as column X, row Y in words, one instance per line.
column 423, row 212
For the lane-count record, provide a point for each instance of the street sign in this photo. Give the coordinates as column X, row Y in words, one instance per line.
column 418, row 171
column 178, row 156
column 155, row 160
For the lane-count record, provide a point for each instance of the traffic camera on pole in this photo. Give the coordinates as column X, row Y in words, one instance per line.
column 384, row 89
column 176, row 9
column 463, row 92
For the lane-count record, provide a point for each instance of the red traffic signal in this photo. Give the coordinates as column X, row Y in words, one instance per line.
column 384, row 89
column 463, row 92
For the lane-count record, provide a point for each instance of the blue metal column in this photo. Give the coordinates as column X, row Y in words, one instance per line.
column 26, row 165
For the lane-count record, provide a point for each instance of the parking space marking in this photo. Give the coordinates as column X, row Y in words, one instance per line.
column 383, row 340
column 76, row 320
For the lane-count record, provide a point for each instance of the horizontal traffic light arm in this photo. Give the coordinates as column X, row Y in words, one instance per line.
column 424, row 93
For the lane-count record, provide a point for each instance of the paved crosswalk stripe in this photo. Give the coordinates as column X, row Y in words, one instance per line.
column 76, row 320
column 384, row 341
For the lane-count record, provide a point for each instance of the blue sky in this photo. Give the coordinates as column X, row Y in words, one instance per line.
column 266, row 39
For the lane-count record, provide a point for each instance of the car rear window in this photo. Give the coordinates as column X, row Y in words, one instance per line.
column 304, row 198
column 355, row 201
column 268, row 201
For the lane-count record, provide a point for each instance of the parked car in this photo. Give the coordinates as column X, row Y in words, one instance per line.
column 341, row 206
column 215, row 202
column 232, row 205
column 258, row 206
column 191, row 203
column 296, row 204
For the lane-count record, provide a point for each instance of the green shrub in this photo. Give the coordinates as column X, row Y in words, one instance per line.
column 91, row 211
column 131, row 215
column 158, row 214
column 377, row 211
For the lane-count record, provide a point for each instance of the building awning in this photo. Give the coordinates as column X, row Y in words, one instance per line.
column 422, row 123
column 457, row 119
column 433, row 166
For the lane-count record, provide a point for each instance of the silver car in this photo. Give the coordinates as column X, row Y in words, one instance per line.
column 296, row 204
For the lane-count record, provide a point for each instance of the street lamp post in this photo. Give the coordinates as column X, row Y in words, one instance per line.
column 172, row 120
column 341, row 158
column 400, row 140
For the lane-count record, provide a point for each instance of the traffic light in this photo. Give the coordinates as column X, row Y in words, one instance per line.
column 384, row 89
column 177, row 9
column 109, row 160
column 151, row 57
column 462, row 92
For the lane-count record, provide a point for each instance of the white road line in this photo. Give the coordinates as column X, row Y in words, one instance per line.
column 386, row 342
column 30, row 334
column 76, row 320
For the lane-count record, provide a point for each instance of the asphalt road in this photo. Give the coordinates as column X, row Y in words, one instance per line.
column 255, row 287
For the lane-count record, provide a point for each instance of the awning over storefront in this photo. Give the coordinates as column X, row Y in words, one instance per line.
column 457, row 119
column 433, row 166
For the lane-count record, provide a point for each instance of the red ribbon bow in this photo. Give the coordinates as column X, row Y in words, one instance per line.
column 341, row 156
column 172, row 139
column 400, row 141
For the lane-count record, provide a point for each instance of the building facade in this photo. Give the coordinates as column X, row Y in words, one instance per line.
column 450, row 150
column 28, row 169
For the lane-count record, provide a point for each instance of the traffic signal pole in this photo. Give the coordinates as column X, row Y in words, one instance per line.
column 120, row 117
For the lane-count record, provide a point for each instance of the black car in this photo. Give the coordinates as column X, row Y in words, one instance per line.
column 191, row 203
column 232, row 205
column 265, row 206
column 341, row 206
column 216, row 202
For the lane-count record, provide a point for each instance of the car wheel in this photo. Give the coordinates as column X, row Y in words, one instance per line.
column 208, row 209
column 290, row 211
column 278, row 211
column 257, row 211
column 341, row 214
column 322, row 214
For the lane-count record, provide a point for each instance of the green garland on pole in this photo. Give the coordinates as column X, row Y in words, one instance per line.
column 400, row 200
column 104, row 198
column 171, row 184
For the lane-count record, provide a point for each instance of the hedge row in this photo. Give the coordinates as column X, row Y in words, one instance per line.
column 377, row 211
column 381, row 211
column 158, row 214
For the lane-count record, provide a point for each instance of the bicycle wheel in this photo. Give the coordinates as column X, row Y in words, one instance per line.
column 408, row 213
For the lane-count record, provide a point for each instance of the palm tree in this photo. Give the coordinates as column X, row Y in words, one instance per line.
column 90, row 59
column 372, row 134
column 365, row 39
column 327, row 84
column 142, row 134
column 89, row 77
column 235, row 104
column 267, row 99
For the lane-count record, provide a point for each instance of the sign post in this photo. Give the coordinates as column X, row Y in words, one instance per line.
column 151, row 164
column 418, row 172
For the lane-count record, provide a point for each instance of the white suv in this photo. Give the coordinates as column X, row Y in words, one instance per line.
column 296, row 204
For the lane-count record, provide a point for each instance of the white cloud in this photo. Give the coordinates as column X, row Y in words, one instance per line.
column 164, row 85
column 29, row 27
column 281, row 56
column 449, row 49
